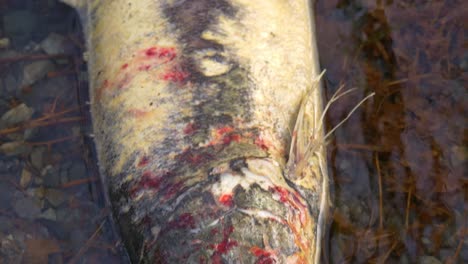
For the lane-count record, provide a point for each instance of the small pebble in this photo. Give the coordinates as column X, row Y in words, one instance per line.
column 77, row 171
column 4, row 43
column 35, row 71
column 429, row 260
column 15, row 148
column 48, row 214
column 27, row 207
column 50, row 176
column 54, row 44
column 19, row 114
column 26, row 177
column 55, row 197
column 37, row 157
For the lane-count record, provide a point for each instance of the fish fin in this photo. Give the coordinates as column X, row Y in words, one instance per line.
column 305, row 133
column 306, row 164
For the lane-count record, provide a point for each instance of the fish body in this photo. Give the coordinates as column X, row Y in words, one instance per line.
column 200, row 109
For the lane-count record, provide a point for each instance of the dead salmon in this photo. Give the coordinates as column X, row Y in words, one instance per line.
column 208, row 123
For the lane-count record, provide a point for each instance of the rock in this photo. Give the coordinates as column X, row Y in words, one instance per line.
column 55, row 228
column 429, row 260
column 49, row 90
column 19, row 25
column 49, row 214
column 26, row 177
column 11, row 84
column 54, row 44
column 38, row 180
column 11, row 249
column 64, row 168
column 458, row 155
column 27, row 207
column 29, row 133
column 446, row 253
column 51, row 176
column 404, row 259
column 37, row 192
column 16, row 115
column 78, row 238
column 55, row 197
column 7, row 165
column 4, row 43
column 464, row 63
column 77, row 171
column 35, row 71
column 6, row 224
column 464, row 252
column 15, row 148
column 37, row 157
column 6, row 195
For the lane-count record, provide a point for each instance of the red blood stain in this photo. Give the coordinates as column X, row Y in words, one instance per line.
column 184, row 221
column 293, row 200
column 261, row 143
column 168, row 53
column 175, row 75
column 124, row 81
column 265, row 260
column 190, row 128
column 216, row 259
column 224, row 246
column 264, row 256
column 224, row 130
column 125, row 66
column 146, row 220
column 214, row 231
column 226, row 199
column 229, row 138
column 161, row 52
column 150, row 180
column 259, row 252
column 151, row 51
column 193, row 157
column 172, row 189
column 144, row 67
column 143, row 162
column 105, row 85
column 283, row 193
column 138, row 113
column 201, row 260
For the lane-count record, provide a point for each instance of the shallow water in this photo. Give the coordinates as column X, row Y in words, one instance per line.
column 400, row 192
column 398, row 164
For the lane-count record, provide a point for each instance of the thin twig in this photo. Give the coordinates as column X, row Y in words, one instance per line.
column 44, row 123
column 32, row 57
column 408, row 204
column 377, row 163
column 79, row 182
column 374, row 148
column 50, row 142
column 86, row 246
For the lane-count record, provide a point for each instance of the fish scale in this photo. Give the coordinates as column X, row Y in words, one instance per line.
column 198, row 108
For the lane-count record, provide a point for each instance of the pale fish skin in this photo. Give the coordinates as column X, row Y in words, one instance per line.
column 194, row 107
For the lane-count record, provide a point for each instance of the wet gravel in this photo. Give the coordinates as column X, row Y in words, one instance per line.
column 52, row 206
